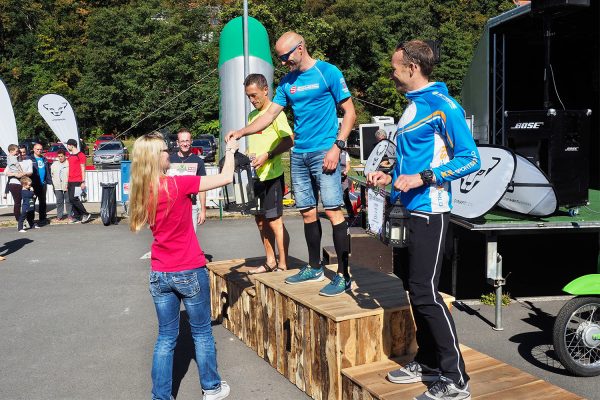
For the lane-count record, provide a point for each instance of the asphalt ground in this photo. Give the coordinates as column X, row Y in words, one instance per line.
column 78, row 321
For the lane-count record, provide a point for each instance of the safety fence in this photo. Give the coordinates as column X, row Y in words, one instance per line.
column 93, row 180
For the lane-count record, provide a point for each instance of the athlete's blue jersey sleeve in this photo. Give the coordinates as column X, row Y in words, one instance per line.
column 465, row 158
column 337, row 84
column 280, row 97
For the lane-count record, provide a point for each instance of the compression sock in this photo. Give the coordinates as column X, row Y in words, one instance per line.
column 341, row 242
column 312, row 233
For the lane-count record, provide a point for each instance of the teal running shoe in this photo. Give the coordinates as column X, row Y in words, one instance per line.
column 337, row 286
column 306, row 274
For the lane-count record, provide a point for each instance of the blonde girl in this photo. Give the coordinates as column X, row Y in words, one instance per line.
column 178, row 272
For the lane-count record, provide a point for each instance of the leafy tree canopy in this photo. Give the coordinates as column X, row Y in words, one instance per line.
column 134, row 66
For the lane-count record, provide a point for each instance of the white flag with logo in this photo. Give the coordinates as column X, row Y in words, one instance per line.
column 8, row 125
column 59, row 115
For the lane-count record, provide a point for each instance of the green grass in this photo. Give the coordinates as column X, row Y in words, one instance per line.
column 490, row 299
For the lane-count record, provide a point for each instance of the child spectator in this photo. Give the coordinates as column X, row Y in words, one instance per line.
column 28, row 204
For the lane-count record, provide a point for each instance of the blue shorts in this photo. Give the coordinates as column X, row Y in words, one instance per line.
column 309, row 179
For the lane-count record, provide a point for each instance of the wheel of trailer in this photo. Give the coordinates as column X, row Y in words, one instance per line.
column 576, row 336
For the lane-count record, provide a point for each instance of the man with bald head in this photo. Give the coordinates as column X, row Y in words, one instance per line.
column 313, row 88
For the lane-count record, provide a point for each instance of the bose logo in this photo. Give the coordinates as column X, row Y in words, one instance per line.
column 527, row 125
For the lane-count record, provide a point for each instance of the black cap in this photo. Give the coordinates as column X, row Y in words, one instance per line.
column 72, row 142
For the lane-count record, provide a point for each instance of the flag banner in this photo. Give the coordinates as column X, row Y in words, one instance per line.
column 530, row 192
column 477, row 193
column 8, row 125
column 59, row 115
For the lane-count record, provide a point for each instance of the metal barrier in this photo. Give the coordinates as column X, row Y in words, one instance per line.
column 93, row 180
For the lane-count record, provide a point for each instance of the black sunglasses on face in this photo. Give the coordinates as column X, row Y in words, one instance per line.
column 286, row 56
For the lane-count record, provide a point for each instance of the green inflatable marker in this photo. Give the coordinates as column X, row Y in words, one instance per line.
column 232, row 111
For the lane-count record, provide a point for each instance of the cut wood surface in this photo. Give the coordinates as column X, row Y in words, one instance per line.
column 490, row 379
column 310, row 338
column 372, row 293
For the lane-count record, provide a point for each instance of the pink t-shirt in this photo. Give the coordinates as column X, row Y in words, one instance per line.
column 175, row 247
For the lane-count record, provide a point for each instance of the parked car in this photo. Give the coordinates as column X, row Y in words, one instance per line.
column 208, row 154
column 51, row 153
column 211, row 138
column 171, row 140
column 28, row 143
column 110, row 154
column 103, row 139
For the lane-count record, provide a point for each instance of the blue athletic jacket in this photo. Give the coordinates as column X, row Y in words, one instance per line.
column 433, row 134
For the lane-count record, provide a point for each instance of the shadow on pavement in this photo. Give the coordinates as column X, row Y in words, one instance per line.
column 460, row 306
column 536, row 347
column 13, row 246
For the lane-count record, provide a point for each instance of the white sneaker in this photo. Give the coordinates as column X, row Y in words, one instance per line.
column 86, row 218
column 221, row 394
column 23, row 231
column 36, row 226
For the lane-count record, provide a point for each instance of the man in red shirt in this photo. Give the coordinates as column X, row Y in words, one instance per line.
column 76, row 182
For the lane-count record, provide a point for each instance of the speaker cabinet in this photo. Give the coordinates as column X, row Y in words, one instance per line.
column 557, row 141
column 553, row 5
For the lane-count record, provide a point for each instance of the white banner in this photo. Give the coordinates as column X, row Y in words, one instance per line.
column 8, row 125
column 59, row 115
column 477, row 193
column 530, row 192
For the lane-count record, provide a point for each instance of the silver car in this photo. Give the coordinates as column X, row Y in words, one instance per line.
column 110, row 154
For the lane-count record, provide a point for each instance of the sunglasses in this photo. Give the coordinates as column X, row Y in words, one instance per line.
column 286, row 56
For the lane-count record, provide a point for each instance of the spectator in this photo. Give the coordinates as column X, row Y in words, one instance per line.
column 184, row 162
column 40, row 180
column 60, row 182
column 28, row 205
column 76, row 182
column 178, row 266
column 12, row 164
column 14, row 183
column 267, row 148
column 380, row 135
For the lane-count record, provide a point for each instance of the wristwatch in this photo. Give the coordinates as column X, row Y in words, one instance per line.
column 427, row 176
column 341, row 144
column 269, row 155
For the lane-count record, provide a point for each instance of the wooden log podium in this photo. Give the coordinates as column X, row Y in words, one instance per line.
column 342, row 347
column 310, row 338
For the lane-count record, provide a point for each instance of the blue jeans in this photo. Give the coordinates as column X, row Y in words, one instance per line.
column 309, row 179
column 168, row 289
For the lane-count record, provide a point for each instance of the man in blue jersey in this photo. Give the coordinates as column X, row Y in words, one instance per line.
column 434, row 147
column 313, row 89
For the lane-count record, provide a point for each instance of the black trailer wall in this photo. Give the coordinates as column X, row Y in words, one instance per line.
column 575, row 61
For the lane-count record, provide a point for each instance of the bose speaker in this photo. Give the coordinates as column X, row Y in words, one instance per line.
column 557, row 142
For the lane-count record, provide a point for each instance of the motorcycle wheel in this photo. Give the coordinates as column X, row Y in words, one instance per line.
column 576, row 336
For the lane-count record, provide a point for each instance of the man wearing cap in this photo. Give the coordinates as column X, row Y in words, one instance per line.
column 76, row 181
column 313, row 88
